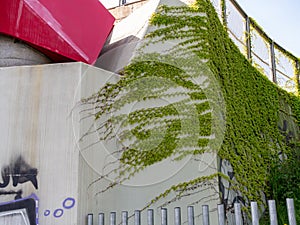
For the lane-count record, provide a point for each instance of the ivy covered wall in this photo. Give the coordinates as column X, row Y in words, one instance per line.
column 248, row 121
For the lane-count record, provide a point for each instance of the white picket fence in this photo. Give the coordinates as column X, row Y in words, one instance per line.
column 205, row 215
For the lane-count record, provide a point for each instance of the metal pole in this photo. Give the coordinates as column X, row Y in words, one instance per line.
column 224, row 12
column 272, row 212
column 254, row 213
column 205, row 215
column 221, row 214
column 150, row 217
column 297, row 71
column 248, row 38
column 238, row 214
column 90, row 219
column 291, row 211
column 101, row 219
column 273, row 62
column 124, row 218
column 122, row 2
column 112, row 218
column 190, row 215
column 177, row 216
column 164, row 216
column 137, row 217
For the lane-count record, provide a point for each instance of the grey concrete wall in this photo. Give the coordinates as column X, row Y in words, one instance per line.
column 127, row 36
column 16, row 53
column 41, row 128
column 39, row 134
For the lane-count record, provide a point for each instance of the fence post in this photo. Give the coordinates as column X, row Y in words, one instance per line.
column 164, row 216
column 221, row 214
column 272, row 212
column 90, row 219
column 238, row 214
column 254, row 213
column 101, row 219
column 124, row 218
column 273, row 62
column 205, row 214
column 112, row 218
column 224, row 12
column 248, row 38
column 291, row 211
column 137, row 217
column 150, row 217
column 297, row 74
column 190, row 215
column 122, row 2
column 177, row 216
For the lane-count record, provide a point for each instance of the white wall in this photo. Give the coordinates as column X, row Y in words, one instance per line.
column 39, row 124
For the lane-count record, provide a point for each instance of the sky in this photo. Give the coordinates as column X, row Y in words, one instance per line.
column 280, row 19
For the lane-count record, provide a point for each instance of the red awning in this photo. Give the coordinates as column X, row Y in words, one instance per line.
column 63, row 30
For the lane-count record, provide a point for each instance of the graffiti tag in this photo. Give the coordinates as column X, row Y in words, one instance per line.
column 19, row 172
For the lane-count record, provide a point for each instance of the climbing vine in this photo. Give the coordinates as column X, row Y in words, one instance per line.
column 197, row 90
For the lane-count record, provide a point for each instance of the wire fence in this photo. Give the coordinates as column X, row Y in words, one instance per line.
column 279, row 65
column 238, row 215
column 109, row 4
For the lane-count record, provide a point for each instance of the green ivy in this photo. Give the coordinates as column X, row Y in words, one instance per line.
column 252, row 139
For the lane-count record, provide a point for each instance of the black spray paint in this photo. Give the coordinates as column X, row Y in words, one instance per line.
column 20, row 172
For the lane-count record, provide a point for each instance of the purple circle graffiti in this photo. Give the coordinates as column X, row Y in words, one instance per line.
column 58, row 213
column 68, row 203
column 47, row 212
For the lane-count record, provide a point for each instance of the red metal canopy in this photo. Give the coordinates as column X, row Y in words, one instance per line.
column 63, row 30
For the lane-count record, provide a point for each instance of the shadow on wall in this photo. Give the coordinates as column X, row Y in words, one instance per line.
column 114, row 57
